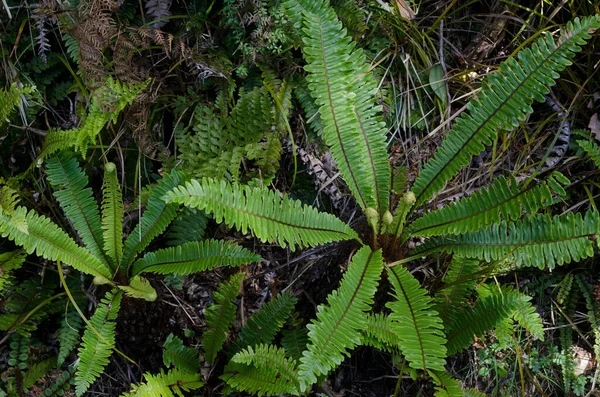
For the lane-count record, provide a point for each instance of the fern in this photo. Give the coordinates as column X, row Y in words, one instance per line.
column 37, row 371
column 76, row 199
column 194, row 257
column 539, row 241
column 188, row 226
column 527, row 317
column 458, row 284
column 502, row 200
column 139, row 288
column 98, row 342
column 158, row 9
column 343, row 89
column 379, row 333
column 68, row 334
column 112, row 214
column 285, row 221
column 417, row 324
column 9, row 261
column 262, row 327
column 503, row 102
column 154, row 220
column 446, row 386
column 179, row 356
column 592, row 150
column 219, row 317
column 169, row 384
column 263, row 370
column 338, row 326
column 49, row 242
column 294, row 341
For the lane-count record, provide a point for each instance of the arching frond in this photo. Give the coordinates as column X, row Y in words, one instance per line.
column 459, row 283
column 169, row 384
column 68, row 334
column 71, row 190
column 338, row 326
column 504, row 101
column 112, row 215
column 294, row 341
column 179, row 356
column 188, row 226
column 262, row 327
column 446, row 386
column 264, row 370
column 270, row 218
column 49, row 242
column 344, row 88
column 379, row 333
column 501, row 200
column 418, row 326
column 194, row 257
column 219, row 316
column 539, row 241
column 95, row 351
column 155, row 219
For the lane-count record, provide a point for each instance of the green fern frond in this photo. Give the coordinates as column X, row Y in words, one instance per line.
column 270, row 218
column 418, row 326
column 338, row 326
column 504, row 101
column 311, row 110
column 487, row 313
column 11, row 98
column 156, row 218
column 262, row 327
column 194, row 257
column 526, row 316
column 344, row 88
column 50, row 242
column 112, row 215
column 263, row 370
column 591, row 303
column 294, row 341
column 591, row 149
column 71, row 190
column 9, row 261
column 68, row 334
column 379, row 333
column 139, row 288
column 473, row 393
column 179, row 356
column 170, row 384
column 220, row 315
column 501, row 200
column 539, row 241
column 188, row 226
column 446, row 386
column 9, row 199
column 96, row 349
column 459, row 283
column 37, row 371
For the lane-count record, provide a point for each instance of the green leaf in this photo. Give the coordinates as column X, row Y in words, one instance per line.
column 338, row 326
column 459, row 283
column 169, row 384
column 112, row 214
column 180, row 356
column 270, row 218
column 418, row 326
column 437, row 83
column 194, row 257
column 139, row 288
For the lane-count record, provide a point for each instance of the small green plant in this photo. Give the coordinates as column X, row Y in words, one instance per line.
column 108, row 257
column 495, row 229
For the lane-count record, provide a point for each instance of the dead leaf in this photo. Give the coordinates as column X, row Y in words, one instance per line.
column 594, row 126
column 584, row 361
column 406, row 11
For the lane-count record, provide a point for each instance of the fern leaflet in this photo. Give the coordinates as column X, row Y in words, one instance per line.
column 379, row 333
column 169, row 384
column 459, row 283
column 68, row 334
column 9, row 261
column 179, row 356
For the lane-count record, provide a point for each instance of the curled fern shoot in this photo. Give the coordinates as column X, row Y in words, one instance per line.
column 112, row 214
column 71, row 189
column 285, row 221
column 501, row 200
column 338, row 326
column 219, row 316
column 166, row 384
column 194, row 257
column 504, row 101
column 418, row 326
column 264, row 370
column 94, row 352
column 539, row 241
column 343, row 88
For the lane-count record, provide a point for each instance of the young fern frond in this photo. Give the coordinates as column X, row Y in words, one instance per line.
column 487, row 313
column 338, row 326
column 501, row 200
column 418, row 326
column 219, row 316
column 592, row 150
column 379, row 333
column 446, row 386
column 112, row 215
column 539, row 241
column 270, row 218
column 504, row 101
column 526, row 316
column 194, row 257
column 9, row 261
column 262, row 327
column 344, row 89
column 70, row 185
column 459, row 284
column 139, row 288
column 169, row 384
column 68, row 334
column 50, row 242
column 94, row 352
column 11, row 98
column 264, row 370
column 179, row 356
column 155, row 219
